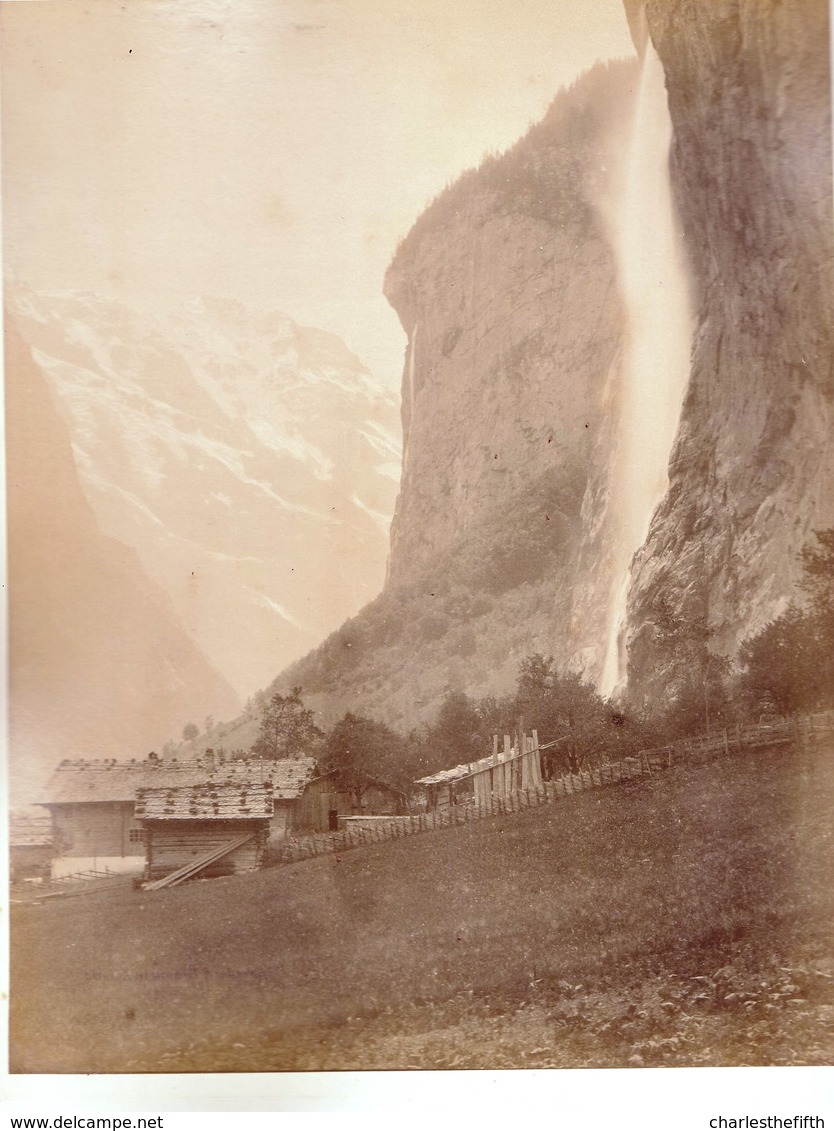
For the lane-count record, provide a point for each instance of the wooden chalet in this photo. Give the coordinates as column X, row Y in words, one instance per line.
column 327, row 798
column 30, row 844
column 95, row 825
column 218, row 829
column 505, row 771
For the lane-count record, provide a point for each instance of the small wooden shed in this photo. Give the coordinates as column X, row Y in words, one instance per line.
column 327, row 798
column 509, row 770
column 217, row 829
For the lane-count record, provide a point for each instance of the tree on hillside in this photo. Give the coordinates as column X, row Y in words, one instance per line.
column 789, row 663
column 363, row 749
column 463, row 728
column 288, row 729
column 818, row 572
column 697, row 692
column 818, row 584
column 562, row 706
column 780, row 665
column 190, row 731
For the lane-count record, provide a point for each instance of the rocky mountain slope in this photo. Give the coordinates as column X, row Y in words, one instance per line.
column 99, row 664
column 506, row 287
column 753, row 471
column 251, row 463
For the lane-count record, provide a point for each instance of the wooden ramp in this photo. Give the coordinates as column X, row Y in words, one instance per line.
column 193, row 867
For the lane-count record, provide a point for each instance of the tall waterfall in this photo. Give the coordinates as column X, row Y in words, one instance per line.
column 653, row 286
column 410, row 373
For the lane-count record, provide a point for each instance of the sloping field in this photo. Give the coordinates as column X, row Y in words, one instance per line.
column 683, row 920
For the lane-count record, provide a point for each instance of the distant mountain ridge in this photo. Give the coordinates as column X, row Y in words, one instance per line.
column 99, row 665
column 252, row 464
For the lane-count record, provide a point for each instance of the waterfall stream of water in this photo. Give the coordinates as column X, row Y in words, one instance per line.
column 653, row 285
column 410, row 371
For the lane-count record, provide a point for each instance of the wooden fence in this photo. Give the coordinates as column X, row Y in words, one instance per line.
column 703, row 748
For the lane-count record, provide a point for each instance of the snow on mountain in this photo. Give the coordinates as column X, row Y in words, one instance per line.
column 253, row 464
column 99, row 663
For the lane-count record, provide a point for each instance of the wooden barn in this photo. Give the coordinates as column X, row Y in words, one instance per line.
column 214, row 829
column 93, row 803
column 515, row 767
column 327, row 798
column 30, row 844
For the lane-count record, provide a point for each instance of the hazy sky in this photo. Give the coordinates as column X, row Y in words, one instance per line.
column 271, row 150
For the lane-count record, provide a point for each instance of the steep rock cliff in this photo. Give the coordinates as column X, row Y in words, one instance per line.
column 752, row 471
column 506, row 288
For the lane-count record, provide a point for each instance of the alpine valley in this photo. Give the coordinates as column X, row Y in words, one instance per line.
column 251, row 463
column 583, row 474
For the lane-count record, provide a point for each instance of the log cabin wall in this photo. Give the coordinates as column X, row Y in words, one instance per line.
column 171, row 844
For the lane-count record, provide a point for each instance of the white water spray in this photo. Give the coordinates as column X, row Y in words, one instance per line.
column 409, row 369
column 653, row 286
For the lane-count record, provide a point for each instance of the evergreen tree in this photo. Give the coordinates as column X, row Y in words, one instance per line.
column 789, row 664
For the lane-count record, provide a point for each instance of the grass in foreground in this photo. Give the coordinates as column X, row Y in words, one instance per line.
column 682, row 921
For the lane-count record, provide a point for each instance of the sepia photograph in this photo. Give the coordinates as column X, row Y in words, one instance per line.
column 419, row 431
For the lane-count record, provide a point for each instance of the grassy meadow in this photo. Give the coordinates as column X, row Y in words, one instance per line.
column 682, row 920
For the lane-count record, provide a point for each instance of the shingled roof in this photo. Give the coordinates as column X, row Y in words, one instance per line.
column 109, row 780
column 469, row 769
column 205, row 802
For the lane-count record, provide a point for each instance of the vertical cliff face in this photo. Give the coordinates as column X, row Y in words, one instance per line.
column 503, row 541
column 752, row 471
column 506, row 288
